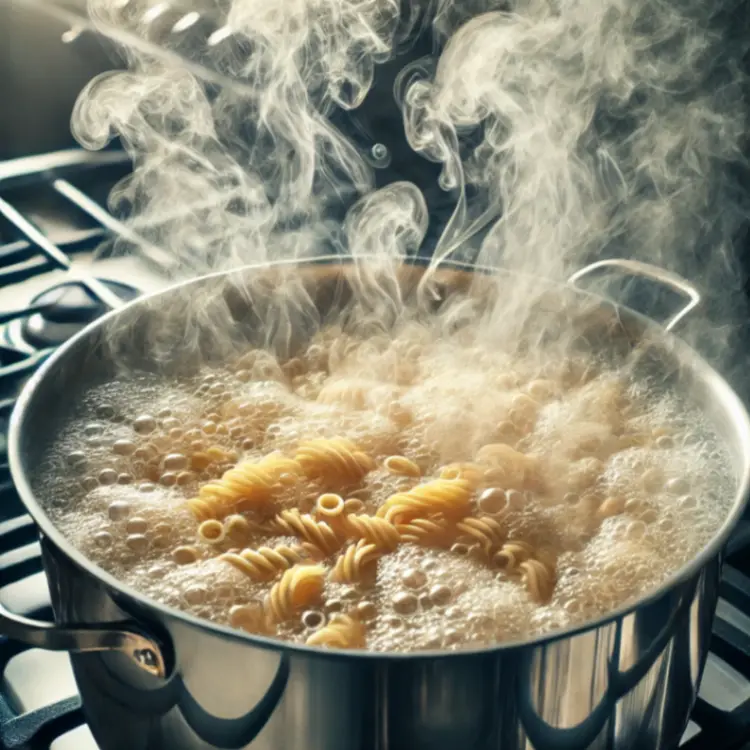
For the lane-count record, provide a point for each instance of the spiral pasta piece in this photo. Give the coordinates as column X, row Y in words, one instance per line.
column 427, row 532
column 402, row 466
column 354, row 564
column 374, row 530
column 335, row 461
column 471, row 473
column 512, row 554
column 539, row 579
column 264, row 563
column 451, row 497
column 248, row 485
column 299, row 587
column 488, row 531
column 341, row 632
column 317, row 533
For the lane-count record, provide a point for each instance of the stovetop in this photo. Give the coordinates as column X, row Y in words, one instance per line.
column 59, row 269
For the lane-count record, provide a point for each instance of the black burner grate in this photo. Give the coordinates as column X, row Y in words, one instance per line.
column 27, row 253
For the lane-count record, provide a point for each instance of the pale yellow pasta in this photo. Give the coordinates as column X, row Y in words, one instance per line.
column 378, row 531
column 355, row 563
column 451, row 497
column 488, row 531
column 264, row 563
column 471, row 473
column 248, row 485
column 211, row 531
column 512, row 554
column 402, row 466
column 336, row 461
column 329, row 505
column 539, row 579
column 427, row 532
column 304, row 526
column 300, row 586
column 341, row 632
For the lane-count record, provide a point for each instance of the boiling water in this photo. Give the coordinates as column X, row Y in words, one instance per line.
column 627, row 485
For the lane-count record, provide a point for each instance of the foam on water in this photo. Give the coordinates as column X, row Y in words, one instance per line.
column 628, row 485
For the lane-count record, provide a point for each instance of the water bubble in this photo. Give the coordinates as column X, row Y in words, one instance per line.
column 145, row 424
column 366, row 610
column 136, row 526
column 105, row 411
column 137, row 542
column 124, row 478
column 687, row 502
column 196, row 595
column 334, row 605
column 76, row 459
column 413, row 578
column 107, row 476
column 89, row 483
column 440, row 595
column 184, row 555
column 405, row 603
column 118, row 510
column 492, row 500
column 678, row 486
column 313, row 619
column 103, row 539
column 168, row 479
column 175, row 462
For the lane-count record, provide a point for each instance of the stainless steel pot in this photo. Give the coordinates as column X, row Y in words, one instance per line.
column 157, row 679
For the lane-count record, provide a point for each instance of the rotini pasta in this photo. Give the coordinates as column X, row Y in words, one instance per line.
column 488, row 531
column 355, row 562
column 374, row 530
column 334, row 461
column 512, row 554
column 304, row 526
column 539, row 579
column 264, row 563
column 341, row 632
column 211, row 531
column 329, row 505
column 300, row 586
column 246, row 486
column 427, row 532
column 451, row 497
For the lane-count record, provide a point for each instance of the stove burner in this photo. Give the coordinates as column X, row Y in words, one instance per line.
column 68, row 308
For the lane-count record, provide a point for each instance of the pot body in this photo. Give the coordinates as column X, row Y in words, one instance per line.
column 627, row 684
column 155, row 679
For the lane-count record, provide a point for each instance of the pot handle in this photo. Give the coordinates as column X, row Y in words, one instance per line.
column 141, row 649
column 637, row 268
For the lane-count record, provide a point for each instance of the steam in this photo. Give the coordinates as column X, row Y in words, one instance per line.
column 564, row 130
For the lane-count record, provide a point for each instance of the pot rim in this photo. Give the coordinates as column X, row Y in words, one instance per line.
column 721, row 389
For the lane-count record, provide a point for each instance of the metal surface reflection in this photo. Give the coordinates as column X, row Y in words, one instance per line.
column 627, row 685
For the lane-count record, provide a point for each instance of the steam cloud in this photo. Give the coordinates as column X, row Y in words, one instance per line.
column 564, row 131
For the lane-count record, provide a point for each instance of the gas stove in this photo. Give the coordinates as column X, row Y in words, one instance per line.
column 58, row 272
